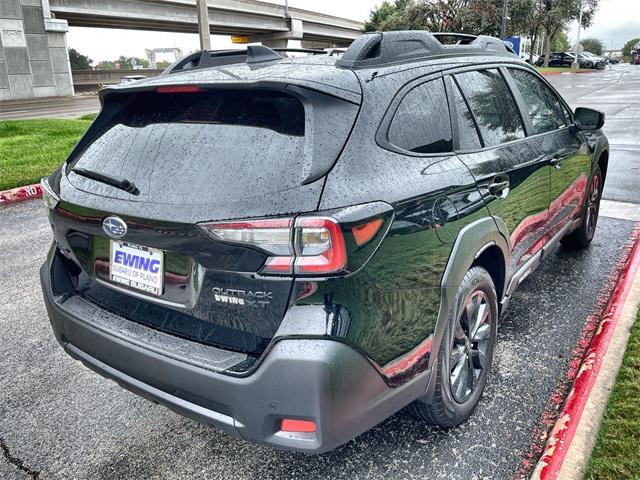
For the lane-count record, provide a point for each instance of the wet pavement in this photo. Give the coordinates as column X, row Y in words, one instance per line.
column 62, row 420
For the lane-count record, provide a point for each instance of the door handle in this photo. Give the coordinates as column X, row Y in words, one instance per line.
column 557, row 160
column 499, row 188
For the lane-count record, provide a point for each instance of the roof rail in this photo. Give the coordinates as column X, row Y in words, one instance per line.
column 378, row 49
column 252, row 54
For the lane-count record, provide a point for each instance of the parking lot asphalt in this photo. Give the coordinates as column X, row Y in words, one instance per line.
column 60, row 420
column 615, row 92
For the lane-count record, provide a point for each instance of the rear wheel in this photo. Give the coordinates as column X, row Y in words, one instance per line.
column 466, row 352
column 582, row 236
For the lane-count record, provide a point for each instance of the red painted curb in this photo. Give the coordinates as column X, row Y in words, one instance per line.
column 20, row 194
column 550, row 73
column 585, row 375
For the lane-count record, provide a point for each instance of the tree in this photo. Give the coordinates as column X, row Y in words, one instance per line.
column 126, row 63
column 592, row 45
column 79, row 61
column 479, row 17
column 560, row 42
column 555, row 14
column 388, row 16
column 629, row 46
column 162, row 64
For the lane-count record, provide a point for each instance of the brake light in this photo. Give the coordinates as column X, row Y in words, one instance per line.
column 179, row 89
column 313, row 246
column 272, row 235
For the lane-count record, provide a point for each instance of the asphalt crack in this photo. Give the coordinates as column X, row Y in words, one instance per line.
column 18, row 463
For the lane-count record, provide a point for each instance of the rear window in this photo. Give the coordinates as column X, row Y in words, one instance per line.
column 199, row 147
column 275, row 111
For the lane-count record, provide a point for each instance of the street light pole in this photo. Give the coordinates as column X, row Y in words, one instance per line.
column 203, row 24
column 503, row 24
column 576, row 62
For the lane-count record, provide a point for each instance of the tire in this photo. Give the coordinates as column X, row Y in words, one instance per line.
column 582, row 236
column 454, row 400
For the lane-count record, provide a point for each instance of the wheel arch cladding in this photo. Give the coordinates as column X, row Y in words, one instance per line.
column 480, row 241
column 492, row 260
column 603, row 162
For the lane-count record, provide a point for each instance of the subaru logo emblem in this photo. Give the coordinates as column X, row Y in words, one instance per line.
column 114, row 227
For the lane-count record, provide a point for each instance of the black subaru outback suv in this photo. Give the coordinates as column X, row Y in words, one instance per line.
column 293, row 249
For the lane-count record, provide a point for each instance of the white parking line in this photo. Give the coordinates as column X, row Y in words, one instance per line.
column 620, row 210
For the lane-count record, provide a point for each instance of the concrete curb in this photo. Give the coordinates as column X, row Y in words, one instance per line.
column 20, row 194
column 564, row 429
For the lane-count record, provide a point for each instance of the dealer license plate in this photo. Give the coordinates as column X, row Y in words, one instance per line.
column 137, row 267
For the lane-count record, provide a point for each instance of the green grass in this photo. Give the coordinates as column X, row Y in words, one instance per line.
column 617, row 451
column 89, row 116
column 31, row 149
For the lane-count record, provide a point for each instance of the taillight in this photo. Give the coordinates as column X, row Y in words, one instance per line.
column 320, row 246
column 272, row 235
column 313, row 246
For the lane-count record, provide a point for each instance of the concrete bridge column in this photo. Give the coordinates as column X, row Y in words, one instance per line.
column 34, row 61
column 290, row 39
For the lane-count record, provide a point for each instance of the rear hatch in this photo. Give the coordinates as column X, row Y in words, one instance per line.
column 194, row 156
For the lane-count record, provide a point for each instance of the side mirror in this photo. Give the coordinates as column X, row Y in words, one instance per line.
column 588, row 118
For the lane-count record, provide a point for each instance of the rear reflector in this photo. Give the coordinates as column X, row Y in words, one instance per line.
column 179, row 89
column 365, row 232
column 297, row 426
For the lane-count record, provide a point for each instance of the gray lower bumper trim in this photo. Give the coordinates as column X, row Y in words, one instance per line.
column 177, row 404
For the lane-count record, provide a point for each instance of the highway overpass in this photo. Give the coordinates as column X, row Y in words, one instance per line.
column 33, row 49
column 258, row 20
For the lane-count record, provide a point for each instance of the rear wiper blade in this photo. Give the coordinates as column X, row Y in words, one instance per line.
column 118, row 182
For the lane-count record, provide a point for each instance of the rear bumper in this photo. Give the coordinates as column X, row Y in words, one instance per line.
column 320, row 380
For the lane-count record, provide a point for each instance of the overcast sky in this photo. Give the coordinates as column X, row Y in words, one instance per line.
column 616, row 22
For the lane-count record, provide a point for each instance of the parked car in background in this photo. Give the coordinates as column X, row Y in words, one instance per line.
column 557, row 59
column 589, row 60
column 530, row 59
column 635, row 57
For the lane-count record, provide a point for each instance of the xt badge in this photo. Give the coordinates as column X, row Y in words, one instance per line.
column 242, row 297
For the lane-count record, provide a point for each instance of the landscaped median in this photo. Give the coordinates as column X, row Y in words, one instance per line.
column 32, row 149
column 617, row 451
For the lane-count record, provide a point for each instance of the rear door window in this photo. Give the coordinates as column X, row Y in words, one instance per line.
column 542, row 104
column 493, row 106
column 421, row 123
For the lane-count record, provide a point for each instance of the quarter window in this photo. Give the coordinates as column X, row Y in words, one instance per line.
column 492, row 105
column 421, row 123
column 542, row 104
column 467, row 133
